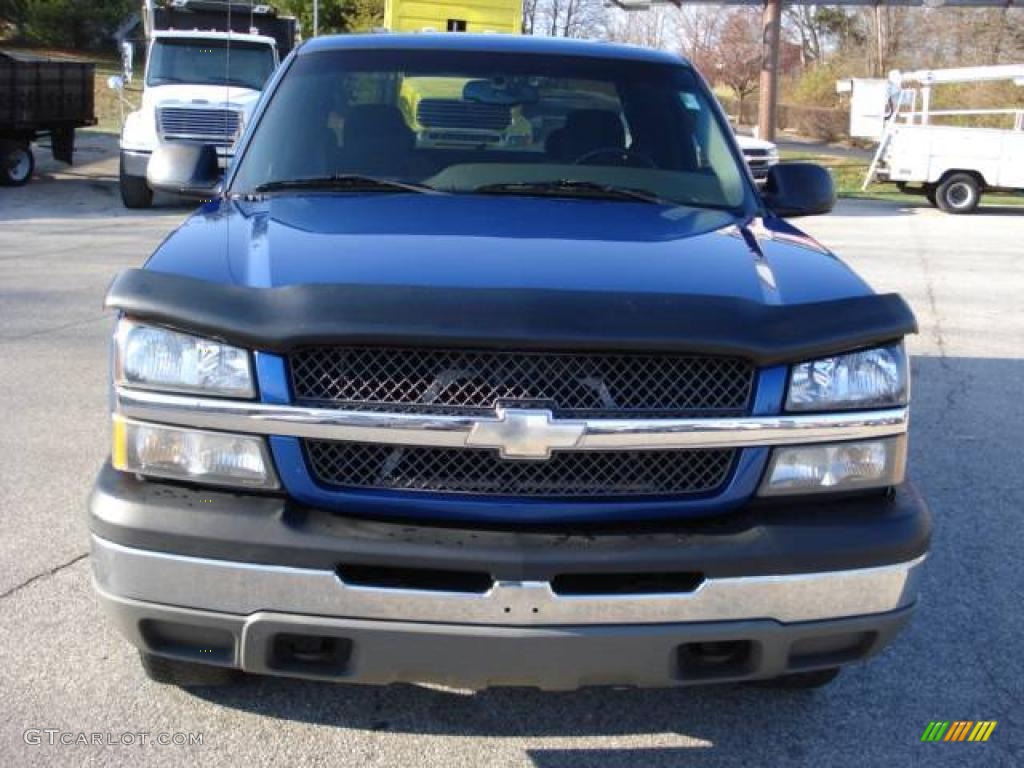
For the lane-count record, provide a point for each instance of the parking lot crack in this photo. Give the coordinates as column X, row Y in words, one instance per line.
column 962, row 382
column 44, row 575
column 53, row 329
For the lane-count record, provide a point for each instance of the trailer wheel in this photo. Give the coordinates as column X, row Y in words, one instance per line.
column 958, row 193
column 135, row 193
column 16, row 164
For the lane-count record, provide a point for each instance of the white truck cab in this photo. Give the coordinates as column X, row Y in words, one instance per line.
column 206, row 64
column 199, row 86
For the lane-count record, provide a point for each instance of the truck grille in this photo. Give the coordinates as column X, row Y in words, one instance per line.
column 342, row 465
column 469, row 382
column 216, row 126
column 453, row 113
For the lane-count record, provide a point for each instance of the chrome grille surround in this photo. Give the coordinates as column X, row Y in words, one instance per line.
column 511, row 383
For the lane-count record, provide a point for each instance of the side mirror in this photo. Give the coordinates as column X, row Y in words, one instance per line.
column 127, row 54
column 799, row 189
column 190, row 170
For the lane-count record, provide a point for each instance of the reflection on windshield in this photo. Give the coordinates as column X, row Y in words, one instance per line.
column 209, row 62
column 476, row 123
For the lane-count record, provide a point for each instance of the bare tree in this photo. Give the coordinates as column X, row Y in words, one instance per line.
column 734, row 59
column 564, row 18
column 656, row 27
column 700, row 26
column 529, row 16
column 801, row 20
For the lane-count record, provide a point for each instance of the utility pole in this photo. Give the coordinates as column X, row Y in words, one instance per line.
column 768, row 97
column 316, row 17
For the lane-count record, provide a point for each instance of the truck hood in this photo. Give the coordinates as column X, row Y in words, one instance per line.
column 185, row 95
column 471, row 241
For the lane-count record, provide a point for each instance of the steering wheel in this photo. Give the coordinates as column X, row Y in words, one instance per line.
column 640, row 160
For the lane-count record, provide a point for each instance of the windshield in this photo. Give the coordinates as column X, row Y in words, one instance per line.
column 489, row 123
column 207, row 62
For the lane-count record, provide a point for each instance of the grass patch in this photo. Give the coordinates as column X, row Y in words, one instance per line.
column 849, row 176
column 108, row 112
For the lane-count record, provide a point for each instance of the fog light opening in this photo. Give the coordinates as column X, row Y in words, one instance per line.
column 716, row 659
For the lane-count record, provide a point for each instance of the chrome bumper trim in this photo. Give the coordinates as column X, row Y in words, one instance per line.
column 439, row 430
column 245, row 588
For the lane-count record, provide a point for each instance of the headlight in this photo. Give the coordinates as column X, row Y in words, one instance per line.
column 216, row 458
column 836, row 467
column 150, row 357
column 873, row 378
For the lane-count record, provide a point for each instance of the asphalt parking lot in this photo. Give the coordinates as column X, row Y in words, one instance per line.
column 63, row 667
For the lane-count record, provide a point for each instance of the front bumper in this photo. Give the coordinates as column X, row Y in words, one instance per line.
column 136, row 161
column 472, row 656
column 225, row 578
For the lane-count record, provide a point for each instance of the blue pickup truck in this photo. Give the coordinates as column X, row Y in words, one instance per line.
column 521, row 381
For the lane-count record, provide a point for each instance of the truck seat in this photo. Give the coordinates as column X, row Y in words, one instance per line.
column 376, row 140
column 584, row 131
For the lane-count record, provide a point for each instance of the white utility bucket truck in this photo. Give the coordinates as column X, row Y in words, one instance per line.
column 206, row 64
column 941, row 153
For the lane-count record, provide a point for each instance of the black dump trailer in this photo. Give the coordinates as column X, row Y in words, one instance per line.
column 40, row 96
column 245, row 17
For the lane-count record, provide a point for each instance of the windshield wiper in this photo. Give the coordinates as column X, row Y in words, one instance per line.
column 349, row 182
column 567, row 188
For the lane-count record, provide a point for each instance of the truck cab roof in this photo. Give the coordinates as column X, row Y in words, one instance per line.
column 212, row 34
column 488, row 43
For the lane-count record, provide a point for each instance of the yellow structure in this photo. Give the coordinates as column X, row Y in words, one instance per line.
column 437, row 111
column 457, row 16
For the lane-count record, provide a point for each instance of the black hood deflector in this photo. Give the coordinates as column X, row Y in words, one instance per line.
column 282, row 319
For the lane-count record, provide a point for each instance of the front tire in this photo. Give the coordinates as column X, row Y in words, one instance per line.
column 17, row 164
column 185, row 674
column 958, row 193
column 135, row 193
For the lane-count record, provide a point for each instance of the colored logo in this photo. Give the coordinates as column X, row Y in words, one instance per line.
column 959, row 730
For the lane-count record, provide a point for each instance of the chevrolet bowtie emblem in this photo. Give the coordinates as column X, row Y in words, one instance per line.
column 521, row 433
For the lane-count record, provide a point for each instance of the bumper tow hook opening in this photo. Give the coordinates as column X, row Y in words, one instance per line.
column 310, row 654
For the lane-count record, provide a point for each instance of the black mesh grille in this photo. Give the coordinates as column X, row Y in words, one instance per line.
column 479, row 471
column 475, row 382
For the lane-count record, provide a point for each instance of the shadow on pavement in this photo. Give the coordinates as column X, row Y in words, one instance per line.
column 913, row 206
column 514, row 712
column 86, row 190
